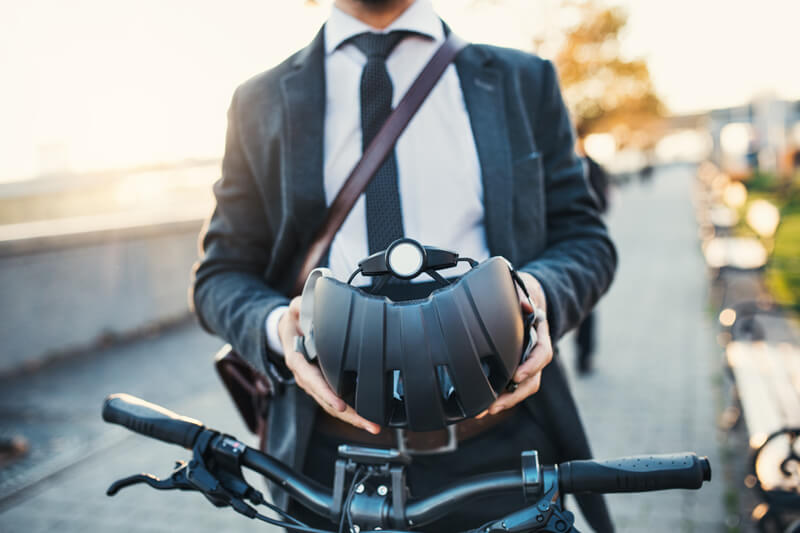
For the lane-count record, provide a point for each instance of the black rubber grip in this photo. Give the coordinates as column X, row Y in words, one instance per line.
column 151, row 420
column 635, row 474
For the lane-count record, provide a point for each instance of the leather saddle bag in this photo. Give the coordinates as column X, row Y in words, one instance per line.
column 249, row 389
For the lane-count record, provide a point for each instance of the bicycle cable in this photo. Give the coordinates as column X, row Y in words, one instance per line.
column 348, row 500
column 284, row 514
column 288, row 526
column 300, row 527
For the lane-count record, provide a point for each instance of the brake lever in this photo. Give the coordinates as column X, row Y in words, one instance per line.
column 177, row 480
column 220, row 486
column 545, row 515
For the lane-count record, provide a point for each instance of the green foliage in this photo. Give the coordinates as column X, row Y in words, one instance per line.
column 783, row 274
column 783, row 270
column 762, row 181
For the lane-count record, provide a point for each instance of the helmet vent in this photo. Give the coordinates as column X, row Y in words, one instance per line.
column 451, row 403
column 347, row 386
column 398, row 415
column 494, row 371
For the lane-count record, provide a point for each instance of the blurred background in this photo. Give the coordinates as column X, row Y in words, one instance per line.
column 113, row 121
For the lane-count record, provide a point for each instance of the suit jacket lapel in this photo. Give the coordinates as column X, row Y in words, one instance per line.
column 483, row 91
column 303, row 91
column 304, row 98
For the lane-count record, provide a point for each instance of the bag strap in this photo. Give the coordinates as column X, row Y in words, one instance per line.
column 376, row 153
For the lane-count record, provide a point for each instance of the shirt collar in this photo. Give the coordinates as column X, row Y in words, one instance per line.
column 419, row 17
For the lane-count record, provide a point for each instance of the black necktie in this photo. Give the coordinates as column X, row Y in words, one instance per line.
column 384, row 215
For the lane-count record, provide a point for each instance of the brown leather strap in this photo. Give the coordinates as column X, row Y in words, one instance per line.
column 376, row 153
column 417, row 440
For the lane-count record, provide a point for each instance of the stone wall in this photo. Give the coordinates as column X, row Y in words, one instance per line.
column 66, row 286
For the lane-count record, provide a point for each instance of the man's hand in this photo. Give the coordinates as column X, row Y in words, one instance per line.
column 309, row 377
column 528, row 376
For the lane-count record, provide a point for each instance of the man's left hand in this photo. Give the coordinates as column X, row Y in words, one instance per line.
column 528, row 376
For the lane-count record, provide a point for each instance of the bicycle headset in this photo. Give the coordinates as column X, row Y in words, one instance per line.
column 424, row 363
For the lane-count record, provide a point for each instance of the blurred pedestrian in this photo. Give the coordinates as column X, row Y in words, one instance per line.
column 646, row 173
column 585, row 338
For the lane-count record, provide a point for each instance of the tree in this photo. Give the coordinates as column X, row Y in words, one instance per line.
column 603, row 90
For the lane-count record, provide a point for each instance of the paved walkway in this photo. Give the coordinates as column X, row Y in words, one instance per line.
column 653, row 390
column 652, row 393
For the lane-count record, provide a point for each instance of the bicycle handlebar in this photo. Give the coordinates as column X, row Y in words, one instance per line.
column 635, row 474
column 151, row 420
column 314, row 496
column 631, row 474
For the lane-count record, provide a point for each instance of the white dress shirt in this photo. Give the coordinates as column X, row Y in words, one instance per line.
column 439, row 177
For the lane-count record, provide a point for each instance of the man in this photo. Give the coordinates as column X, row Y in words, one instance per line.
column 486, row 167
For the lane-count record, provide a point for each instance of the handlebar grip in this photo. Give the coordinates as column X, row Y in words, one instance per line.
column 635, row 474
column 151, row 420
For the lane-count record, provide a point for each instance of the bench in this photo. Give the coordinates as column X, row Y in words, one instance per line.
column 767, row 377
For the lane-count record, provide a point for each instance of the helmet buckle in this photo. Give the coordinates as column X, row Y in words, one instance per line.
column 404, row 448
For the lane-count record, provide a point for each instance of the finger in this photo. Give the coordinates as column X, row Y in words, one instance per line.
column 351, row 417
column 310, row 379
column 316, row 382
column 288, row 328
column 536, row 361
column 348, row 415
column 482, row 414
column 524, row 300
column 510, row 399
column 540, row 356
column 332, row 411
column 315, row 386
column 534, row 289
column 294, row 313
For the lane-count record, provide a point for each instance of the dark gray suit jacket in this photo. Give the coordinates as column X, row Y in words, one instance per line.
column 539, row 214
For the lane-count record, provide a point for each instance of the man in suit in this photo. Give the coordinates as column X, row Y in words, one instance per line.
column 486, row 167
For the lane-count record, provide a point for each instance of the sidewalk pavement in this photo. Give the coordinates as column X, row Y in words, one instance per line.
column 652, row 392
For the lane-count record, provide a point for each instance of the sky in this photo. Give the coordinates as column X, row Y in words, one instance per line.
column 97, row 84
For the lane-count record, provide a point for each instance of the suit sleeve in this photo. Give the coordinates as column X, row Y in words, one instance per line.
column 579, row 259
column 229, row 294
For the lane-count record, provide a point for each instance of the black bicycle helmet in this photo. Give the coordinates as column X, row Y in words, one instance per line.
column 424, row 363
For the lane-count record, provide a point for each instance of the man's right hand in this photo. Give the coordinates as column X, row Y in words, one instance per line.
column 309, row 377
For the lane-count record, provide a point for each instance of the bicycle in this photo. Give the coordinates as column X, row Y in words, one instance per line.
column 369, row 490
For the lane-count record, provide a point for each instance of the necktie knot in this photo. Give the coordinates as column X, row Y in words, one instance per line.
column 378, row 45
